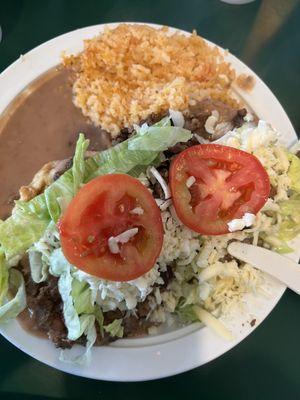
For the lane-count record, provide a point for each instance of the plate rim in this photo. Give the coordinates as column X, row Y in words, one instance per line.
column 9, row 331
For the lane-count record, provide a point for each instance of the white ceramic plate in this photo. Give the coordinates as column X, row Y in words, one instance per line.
column 170, row 353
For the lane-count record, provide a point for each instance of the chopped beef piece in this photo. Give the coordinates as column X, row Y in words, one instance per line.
column 110, row 316
column 195, row 119
column 105, row 339
column 238, row 120
column 273, row 192
column 227, row 258
column 164, row 172
column 127, row 132
column 45, row 306
column 143, row 309
column 298, row 154
column 167, row 276
column 67, row 164
column 248, row 240
column 134, row 326
column 260, row 242
column 153, row 119
column 163, row 169
column 192, row 142
column 158, row 191
column 58, row 333
column 196, row 116
column 179, row 147
column 165, row 164
column 123, row 135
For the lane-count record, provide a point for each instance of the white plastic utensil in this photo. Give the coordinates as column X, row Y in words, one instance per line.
column 282, row 268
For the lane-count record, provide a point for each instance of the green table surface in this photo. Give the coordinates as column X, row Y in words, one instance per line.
column 265, row 35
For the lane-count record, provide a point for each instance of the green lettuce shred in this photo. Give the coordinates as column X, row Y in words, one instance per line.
column 61, row 268
column 99, row 318
column 25, row 226
column 78, row 167
column 294, row 172
column 87, row 323
column 39, row 253
column 290, row 213
column 76, row 297
column 38, row 268
column 30, row 219
column 115, row 329
column 81, row 294
column 12, row 308
column 3, row 279
column 186, row 313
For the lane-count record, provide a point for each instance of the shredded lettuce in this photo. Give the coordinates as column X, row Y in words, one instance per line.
column 115, row 329
column 294, row 172
column 99, row 318
column 78, row 306
column 60, row 267
column 39, row 253
column 25, row 226
column 81, row 294
column 62, row 188
column 38, row 268
column 290, row 213
column 3, row 279
column 88, row 329
column 78, row 167
column 30, row 219
column 187, row 313
column 139, row 150
column 279, row 245
column 17, row 304
column 158, row 138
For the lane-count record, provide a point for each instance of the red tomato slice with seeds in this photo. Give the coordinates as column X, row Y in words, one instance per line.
column 103, row 209
column 228, row 183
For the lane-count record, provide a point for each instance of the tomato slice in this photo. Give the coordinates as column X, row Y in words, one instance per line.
column 227, row 184
column 104, row 208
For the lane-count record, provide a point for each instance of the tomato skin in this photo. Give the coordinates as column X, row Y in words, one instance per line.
column 229, row 183
column 101, row 209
